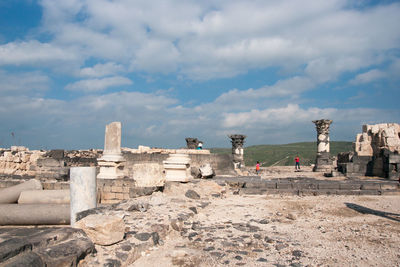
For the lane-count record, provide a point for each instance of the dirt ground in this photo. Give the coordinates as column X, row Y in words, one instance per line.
column 285, row 231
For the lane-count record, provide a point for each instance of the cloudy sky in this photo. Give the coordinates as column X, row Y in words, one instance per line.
column 171, row 69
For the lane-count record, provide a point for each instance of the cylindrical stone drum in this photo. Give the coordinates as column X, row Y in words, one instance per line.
column 82, row 189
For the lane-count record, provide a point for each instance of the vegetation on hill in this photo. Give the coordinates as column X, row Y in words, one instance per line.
column 283, row 155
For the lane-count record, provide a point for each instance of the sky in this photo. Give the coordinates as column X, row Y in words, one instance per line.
column 171, row 69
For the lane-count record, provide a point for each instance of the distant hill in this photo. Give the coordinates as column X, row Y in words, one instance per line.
column 283, row 155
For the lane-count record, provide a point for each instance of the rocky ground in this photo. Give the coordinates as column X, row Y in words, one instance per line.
column 219, row 228
column 203, row 223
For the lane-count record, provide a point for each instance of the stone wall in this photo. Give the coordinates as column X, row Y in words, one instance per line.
column 143, row 168
column 19, row 161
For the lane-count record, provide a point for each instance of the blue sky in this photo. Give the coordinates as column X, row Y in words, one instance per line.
column 174, row 69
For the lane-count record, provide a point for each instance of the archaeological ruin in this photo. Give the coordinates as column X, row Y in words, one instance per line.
column 116, row 206
column 376, row 152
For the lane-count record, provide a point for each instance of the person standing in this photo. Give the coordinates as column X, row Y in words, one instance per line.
column 297, row 163
column 258, row 167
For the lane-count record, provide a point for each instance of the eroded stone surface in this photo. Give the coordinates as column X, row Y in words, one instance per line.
column 43, row 246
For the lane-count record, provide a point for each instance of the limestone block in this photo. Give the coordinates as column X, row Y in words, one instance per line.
column 25, row 157
column 148, row 174
column 102, row 229
column 206, row 170
column 34, row 157
column 44, row 197
column 11, row 194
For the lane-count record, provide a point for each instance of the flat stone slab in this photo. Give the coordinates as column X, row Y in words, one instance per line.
column 62, row 246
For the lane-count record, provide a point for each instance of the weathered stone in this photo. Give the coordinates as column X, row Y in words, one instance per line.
column 82, row 190
column 143, row 236
column 140, row 206
column 237, row 149
column 44, row 197
column 148, row 174
column 103, row 229
column 192, row 194
column 30, row 259
column 44, row 247
column 111, row 161
column 67, row 253
column 142, row 191
column 34, row 214
column 323, row 162
column 11, row 194
column 177, row 168
column 206, row 170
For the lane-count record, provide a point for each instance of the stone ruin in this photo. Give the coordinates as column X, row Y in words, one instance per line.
column 323, row 161
column 237, row 149
column 192, row 143
column 376, row 152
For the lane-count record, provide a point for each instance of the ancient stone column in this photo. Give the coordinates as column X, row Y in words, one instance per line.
column 82, row 190
column 11, row 194
column 237, row 149
column 111, row 161
column 44, row 197
column 34, row 214
column 323, row 161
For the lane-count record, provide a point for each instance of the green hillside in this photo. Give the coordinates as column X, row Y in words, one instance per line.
column 283, row 155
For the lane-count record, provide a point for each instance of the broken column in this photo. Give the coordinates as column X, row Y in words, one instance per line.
column 323, row 161
column 82, row 189
column 177, row 168
column 44, row 197
column 34, row 214
column 11, row 194
column 191, row 142
column 111, row 161
column 237, row 149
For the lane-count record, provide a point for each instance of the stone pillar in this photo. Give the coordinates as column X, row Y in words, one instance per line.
column 237, row 149
column 111, row 162
column 191, row 142
column 82, row 189
column 323, row 161
column 177, row 168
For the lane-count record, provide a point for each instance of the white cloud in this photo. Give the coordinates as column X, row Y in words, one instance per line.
column 101, row 70
column 34, row 53
column 94, row 85
column 17, row 83
column 367, row 77
column 213, row 39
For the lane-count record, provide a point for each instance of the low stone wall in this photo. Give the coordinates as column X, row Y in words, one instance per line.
column 113, row 191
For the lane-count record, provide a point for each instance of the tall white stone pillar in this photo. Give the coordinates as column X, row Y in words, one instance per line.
column 82, row 190
column 323, row 160
column 111, row 161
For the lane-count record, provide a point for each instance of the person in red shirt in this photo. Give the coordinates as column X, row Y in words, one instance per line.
column 258, row 167
column 297, row 162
